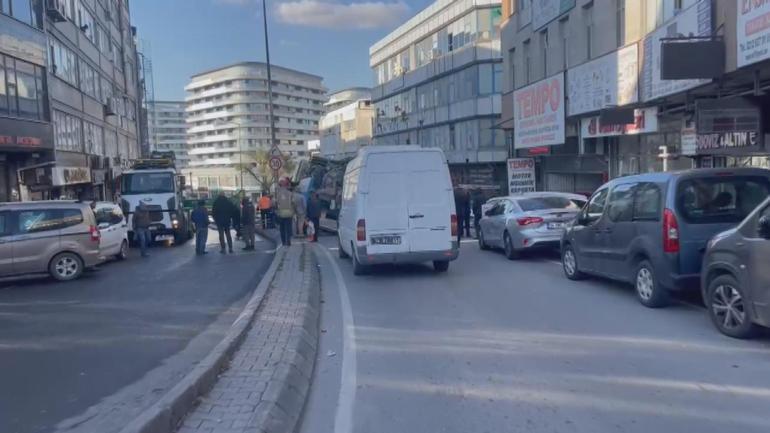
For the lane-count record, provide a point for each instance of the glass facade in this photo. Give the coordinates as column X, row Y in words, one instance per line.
column 22, row 90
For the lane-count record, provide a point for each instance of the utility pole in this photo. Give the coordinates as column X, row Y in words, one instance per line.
column 273, row 144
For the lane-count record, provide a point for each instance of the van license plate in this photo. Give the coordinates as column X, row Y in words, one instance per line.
column 386, row 240
column 554, row 226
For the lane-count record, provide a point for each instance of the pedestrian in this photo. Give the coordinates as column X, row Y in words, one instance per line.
column 300, row 212
column 223, row 212
column 478, row 201
column 466, row 213
column 461, row 205
column 141, row 224
column 200, row 218
column 247, row 224
column 284, row 210
column 314, row 214
column 265, row 204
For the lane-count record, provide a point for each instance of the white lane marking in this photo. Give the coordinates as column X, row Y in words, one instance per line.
column 468, row 241
column 343, row 418
column 333, row 248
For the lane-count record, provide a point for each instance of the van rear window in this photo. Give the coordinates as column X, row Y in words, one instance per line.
column 713, row 200
column 541, row 203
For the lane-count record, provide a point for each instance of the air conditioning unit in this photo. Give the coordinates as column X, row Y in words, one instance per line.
column 56, row 10
column 110, row 108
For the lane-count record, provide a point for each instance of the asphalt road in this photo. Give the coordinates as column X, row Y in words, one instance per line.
column 88, row 355
column 500, row 346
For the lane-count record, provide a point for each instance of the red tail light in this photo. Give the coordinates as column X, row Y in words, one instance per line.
column 670, row 232
column 96, row 236
column 454, row 224
column 529, row 220
column 361, row 231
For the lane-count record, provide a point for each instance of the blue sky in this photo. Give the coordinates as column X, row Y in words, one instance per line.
column 330, row 38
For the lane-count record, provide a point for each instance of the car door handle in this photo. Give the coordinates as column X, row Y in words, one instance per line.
column 417, row 215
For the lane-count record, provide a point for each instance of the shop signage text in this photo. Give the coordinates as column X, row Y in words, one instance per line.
column 645, row 121
column 611, row 80
column 521, row 175
column 753, row 31
column 10, row 140
column 538, row 112
column 70, row 175
column 695, row 20
column 689, row 138
column 708, row 143
column 545, row 11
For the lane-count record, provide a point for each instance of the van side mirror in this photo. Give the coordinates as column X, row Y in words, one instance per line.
column 764, row 227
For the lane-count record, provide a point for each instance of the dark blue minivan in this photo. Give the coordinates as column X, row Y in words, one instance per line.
column 651, row 230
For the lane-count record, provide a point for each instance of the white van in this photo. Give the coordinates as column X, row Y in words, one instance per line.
column 398, row 207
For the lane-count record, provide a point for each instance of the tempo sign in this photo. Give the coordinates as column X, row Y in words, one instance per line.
column 538, row 113
column 521, row 175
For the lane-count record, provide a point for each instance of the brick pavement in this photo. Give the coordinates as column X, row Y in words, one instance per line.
column 265, row 386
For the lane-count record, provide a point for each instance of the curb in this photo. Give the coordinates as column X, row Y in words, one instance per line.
column 164, row 415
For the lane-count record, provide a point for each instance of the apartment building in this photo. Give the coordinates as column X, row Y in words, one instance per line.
column 228, row 120
column 347, row 125
column 167, row 129
column 438, row 80
column 590, row 92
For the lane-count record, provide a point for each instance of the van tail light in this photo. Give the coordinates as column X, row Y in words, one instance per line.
column 529, row 221
column 96, row 236
column 361, row 230
column 670, row 232
column 454, row 224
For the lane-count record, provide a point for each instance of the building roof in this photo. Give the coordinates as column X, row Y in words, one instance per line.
column 254, row 64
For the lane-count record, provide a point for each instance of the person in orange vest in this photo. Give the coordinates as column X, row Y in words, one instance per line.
column 265, row 205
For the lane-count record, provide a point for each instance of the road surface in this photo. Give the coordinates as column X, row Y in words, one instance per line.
column 500, row 346
column 89, row 354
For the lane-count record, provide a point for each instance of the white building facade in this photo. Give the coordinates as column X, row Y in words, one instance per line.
column 347, row 125
column 167, row 129
column 228, row 120
column 438, row 84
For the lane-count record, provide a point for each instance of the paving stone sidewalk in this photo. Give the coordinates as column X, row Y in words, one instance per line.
column 265, row 386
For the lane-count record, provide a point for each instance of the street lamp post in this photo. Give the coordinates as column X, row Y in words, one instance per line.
column 273, row 144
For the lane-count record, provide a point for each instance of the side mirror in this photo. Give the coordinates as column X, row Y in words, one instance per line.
column 764, row 227
column 182, row 182
column 103, row 226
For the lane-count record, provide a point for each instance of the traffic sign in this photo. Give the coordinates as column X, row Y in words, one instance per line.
column 276, row 163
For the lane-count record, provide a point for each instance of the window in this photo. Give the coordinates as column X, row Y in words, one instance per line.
column 68, row 132
column 41, row 220
column 621, row 205
column 620, row 23
column 86, row 22
column 90, row 81
column 21, row 89
column 4, row 229
column 564, row 26
column 711, row 200
column 27, row 11
column 93, row 135
column 647, row 202
column 63, row 62
column 589, row 23
column 527, row 63
column 544, row 46
column 595, row 207
column 512, row 67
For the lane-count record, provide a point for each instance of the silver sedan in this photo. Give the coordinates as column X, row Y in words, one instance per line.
column 528, row 221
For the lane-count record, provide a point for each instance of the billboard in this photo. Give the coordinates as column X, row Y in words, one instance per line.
column 545, row 11
column 696, row 21
column 521, row 175
column 538, row 113
column 753, row 32
column 610, row 80
column 645, row 121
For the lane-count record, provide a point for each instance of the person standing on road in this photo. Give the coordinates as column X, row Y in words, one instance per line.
column 200, row 217
column 223, row 212
column 284, row 209
column 462, row 209
column 142, row 226
column 300, row 211
column 478, row 200
column 247, row 224
column 314, row 214
column 264, row 209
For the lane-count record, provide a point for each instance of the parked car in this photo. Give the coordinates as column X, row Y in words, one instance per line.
column 651, row 230
column 489, row 204
column 398, row 207
column 528, row 221
column 736, row 278
column 55, row 237
column 113, row 227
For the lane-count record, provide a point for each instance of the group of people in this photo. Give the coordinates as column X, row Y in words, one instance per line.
column 296, row 215
column 464, row 203
column 226, row 215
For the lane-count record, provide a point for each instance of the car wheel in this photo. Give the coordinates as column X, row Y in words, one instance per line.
column 441, row 266
column 482, row 243
column 340, row 251
column 510, row 251
column 570, row 264
column 727, row 308
column 123, row 253
column 358, row 268
column 648, row 290
column 66, row 267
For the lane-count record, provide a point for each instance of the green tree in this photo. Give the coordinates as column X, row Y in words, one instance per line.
column 259, row 168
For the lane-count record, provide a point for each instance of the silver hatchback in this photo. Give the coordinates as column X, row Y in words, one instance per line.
column 528, row 221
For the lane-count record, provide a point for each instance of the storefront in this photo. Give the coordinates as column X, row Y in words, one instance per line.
column 22, row 143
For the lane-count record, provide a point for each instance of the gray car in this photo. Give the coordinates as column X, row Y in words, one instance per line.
column 736, row 279
column 528, row 221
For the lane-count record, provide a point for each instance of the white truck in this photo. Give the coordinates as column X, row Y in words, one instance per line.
column 155, row 182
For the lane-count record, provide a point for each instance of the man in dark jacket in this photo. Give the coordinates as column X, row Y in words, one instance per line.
column 223, row 212
column 463, row 210
column 200, row 217
column 478, row 200
column 248, row 219
column 314, row 214
column 141, row 224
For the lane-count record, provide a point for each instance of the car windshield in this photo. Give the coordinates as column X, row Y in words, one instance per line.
column 729, row 199
column 147, row 183
column 554, row 202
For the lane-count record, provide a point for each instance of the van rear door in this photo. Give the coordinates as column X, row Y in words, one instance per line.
column 385, row 211
column 430, row 203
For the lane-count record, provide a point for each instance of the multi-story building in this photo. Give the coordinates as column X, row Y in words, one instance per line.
column 590, row 93
column 347, row 124
column 167, row 129
column 92, row 88
column 228, row 120
column 438, row 83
